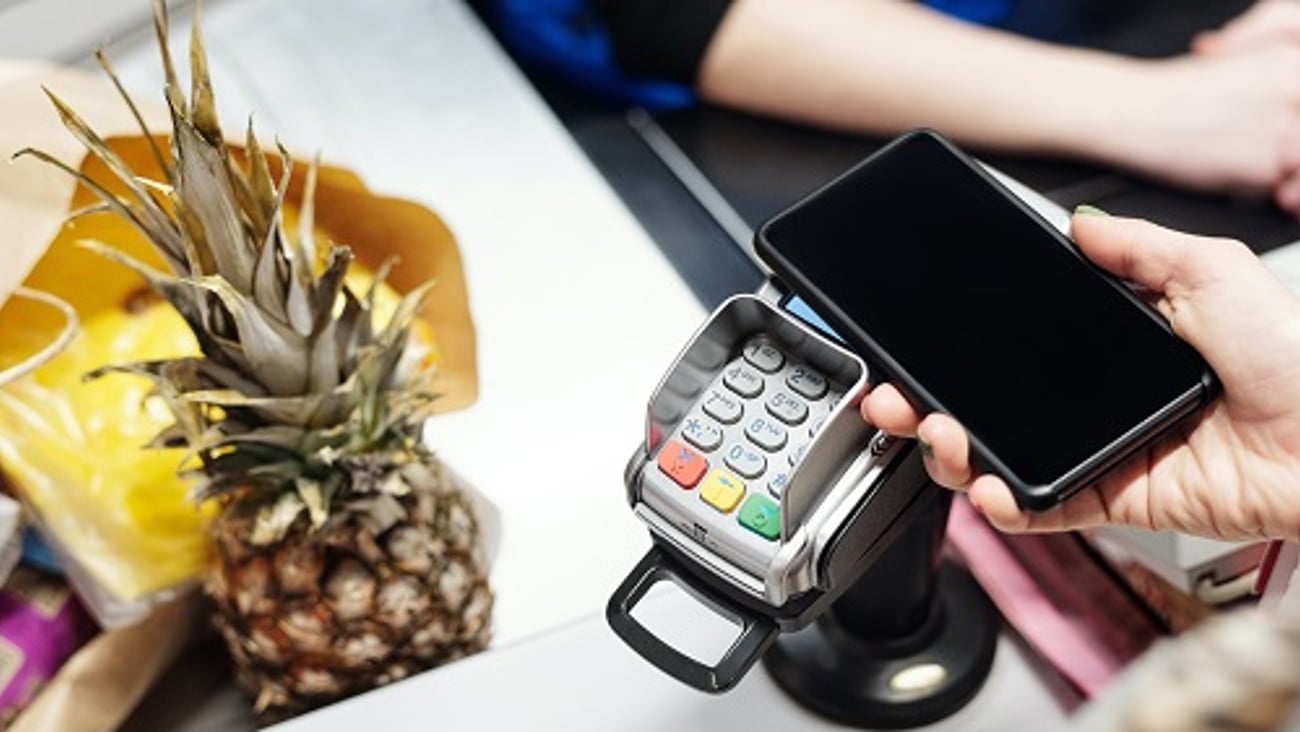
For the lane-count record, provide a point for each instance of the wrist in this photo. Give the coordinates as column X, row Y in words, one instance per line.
column 1106, row 111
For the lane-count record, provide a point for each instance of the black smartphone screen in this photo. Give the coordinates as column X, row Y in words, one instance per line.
column 978, row 308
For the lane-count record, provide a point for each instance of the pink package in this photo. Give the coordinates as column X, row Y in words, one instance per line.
column 1069, row 610
column 41, row 626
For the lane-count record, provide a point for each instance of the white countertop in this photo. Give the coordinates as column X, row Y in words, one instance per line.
column 582, row 677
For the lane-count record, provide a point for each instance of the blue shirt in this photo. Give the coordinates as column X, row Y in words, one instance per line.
column 568, row 39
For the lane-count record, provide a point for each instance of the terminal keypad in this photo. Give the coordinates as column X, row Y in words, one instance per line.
column 747, row 432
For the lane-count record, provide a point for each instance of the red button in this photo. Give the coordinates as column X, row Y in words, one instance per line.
column 684, row 465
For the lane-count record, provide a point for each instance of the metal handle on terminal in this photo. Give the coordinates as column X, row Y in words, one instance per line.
column 756, row 632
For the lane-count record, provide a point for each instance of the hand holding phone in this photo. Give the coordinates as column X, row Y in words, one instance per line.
column 1232, row 473
column 975, row 307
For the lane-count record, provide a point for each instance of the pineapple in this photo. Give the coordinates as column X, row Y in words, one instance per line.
column 344, row 554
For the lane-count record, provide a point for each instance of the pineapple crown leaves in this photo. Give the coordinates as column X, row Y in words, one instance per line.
column 295, row 378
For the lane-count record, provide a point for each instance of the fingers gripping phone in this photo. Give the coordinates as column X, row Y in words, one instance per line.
column 765, row 492
column 975, row 306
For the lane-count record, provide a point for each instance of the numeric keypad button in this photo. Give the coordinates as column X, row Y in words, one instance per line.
column 745, row 460
column 806, row 382
column 776, row 486
column 743, row 380
column 797, row 454
column 817, row 426
column 702, row 433
column 766, row 433
column 764, row 356
column 723, row 406
column 787, row 408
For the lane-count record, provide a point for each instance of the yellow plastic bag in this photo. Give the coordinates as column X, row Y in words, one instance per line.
column 74, row 448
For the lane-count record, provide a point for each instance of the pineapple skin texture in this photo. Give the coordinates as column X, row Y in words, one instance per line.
column 326, row 613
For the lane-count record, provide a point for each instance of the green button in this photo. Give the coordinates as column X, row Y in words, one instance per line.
column 762, row 516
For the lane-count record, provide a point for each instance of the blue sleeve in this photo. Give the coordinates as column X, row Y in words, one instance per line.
column 569, row 40
column 981, row 12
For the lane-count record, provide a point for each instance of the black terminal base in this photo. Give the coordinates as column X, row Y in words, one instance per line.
column 897, row 683
column 909, row 644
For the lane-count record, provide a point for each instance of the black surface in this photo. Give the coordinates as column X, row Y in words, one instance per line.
column 761, row 166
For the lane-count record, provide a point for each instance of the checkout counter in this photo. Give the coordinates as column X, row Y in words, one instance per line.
column 578, row 310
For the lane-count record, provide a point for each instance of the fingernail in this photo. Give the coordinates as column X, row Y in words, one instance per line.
column 1086, row 210
column 927, row 451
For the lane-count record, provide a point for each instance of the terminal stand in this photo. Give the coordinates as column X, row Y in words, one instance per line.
column 910, row 643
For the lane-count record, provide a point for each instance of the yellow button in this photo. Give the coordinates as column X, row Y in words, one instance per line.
column 722, row 490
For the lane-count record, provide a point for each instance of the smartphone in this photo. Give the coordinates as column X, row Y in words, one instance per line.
column 975, row 306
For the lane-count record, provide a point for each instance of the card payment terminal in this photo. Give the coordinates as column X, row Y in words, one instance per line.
column 765, row 493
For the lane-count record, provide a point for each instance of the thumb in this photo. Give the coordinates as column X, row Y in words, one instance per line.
column 1216, row 293
column 1154, row 257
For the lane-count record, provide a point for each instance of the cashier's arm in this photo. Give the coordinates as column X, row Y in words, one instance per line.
column 1225, row 117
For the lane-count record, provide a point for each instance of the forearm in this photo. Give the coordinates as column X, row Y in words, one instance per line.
column 881, row 66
